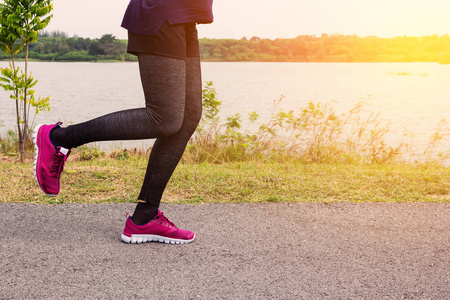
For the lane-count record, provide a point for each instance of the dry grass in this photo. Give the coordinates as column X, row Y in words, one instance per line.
column 113, row 180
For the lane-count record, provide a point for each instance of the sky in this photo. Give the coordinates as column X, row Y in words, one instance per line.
column 273, row 19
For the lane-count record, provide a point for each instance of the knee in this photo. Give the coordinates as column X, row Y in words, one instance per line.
column 171, row 126
column 182, row 126
column 166, row 121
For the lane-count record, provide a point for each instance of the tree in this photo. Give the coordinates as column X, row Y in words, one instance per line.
column 107, row 39
column 20, row 22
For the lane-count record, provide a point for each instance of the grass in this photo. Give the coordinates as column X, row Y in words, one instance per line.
column 117, row 178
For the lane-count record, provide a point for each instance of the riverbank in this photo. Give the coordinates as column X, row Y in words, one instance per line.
column 116, row 178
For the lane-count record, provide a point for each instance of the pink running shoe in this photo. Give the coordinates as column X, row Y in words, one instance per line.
column 159, row 229
column 48, row 160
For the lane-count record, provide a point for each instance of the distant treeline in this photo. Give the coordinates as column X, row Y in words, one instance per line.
column 56, row 46
column 330, row 48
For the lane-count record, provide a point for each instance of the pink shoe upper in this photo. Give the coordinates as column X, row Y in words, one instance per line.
column 49, row 160
column 160, row 226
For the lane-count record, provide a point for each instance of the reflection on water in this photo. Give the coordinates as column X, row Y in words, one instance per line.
column 413, row 97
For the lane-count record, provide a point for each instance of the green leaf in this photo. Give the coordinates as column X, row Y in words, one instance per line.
column 3, row 79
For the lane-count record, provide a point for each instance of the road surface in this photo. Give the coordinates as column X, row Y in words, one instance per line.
column 242, row 251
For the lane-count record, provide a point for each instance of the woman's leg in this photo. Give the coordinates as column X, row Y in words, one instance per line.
column 167, row 151
column 164, row 82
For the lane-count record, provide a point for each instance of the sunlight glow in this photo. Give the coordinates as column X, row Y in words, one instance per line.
column 275, row 19
column 290, row 18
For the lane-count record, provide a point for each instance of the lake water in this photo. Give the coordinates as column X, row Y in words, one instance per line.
column 413, row 97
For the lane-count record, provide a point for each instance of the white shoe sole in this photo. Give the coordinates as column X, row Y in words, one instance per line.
column 146, row 238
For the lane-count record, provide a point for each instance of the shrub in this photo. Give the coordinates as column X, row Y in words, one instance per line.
column 315, row 133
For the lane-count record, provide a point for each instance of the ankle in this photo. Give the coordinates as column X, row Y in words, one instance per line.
column 57, row 137
column 144, row 213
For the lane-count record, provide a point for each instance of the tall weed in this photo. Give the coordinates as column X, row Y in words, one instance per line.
column 432, row 152
column 10, row 143
column 315, row 133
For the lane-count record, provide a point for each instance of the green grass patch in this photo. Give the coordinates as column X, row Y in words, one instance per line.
column 107, row 179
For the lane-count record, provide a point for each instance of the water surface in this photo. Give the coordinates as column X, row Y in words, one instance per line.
column 413, row 97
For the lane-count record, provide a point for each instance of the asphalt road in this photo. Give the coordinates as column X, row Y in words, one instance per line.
column 242, row 251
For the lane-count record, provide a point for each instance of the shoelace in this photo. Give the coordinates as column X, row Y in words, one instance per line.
column 57, row 164
column 162, row 218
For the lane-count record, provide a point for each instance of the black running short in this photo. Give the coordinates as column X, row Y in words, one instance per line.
column 176, row 41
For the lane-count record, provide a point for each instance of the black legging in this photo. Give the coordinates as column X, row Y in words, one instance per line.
column 173, row 96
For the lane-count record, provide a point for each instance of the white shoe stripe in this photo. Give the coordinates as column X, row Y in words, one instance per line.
column 145, row 238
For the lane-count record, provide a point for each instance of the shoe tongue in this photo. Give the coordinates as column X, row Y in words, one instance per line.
column 64, row 151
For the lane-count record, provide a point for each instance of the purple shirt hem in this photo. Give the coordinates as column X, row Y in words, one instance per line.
column 147, row 16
